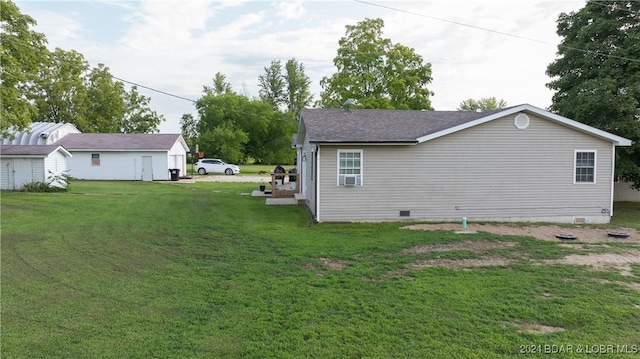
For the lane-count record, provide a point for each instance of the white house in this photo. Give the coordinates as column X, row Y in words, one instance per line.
column 515, row 164
column 117, row 156
column 22, row 164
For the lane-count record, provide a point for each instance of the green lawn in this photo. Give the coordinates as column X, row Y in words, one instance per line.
column 176, row 270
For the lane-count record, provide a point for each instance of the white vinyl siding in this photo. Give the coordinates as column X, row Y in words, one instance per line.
column 118, row 165
column 585, row 167
column 311, row 168
column 350, row 165
column 493, row 171
column 55, row 165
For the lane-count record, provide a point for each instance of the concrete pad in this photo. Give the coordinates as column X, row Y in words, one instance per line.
column 287, row 201
column 258, row 193
column 466, row 232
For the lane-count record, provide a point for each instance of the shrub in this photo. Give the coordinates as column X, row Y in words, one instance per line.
column 55, row 183
column 39, row 187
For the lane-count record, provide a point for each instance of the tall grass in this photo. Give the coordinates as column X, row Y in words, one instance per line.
column 174, row 270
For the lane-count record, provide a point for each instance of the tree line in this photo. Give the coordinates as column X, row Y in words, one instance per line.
column 38, row 85
column 596, row 79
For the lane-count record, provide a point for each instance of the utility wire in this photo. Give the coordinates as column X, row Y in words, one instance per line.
column 152, row 89
column 495, row 31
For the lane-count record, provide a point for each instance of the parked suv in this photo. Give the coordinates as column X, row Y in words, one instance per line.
column 214, row 165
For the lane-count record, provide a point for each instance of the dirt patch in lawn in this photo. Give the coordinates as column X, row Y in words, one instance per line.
column 474, row 246
column 588, row 239
column 547, row 233
column 601, row 261
column 329, row 264
column 491, row 261
column 333, row 265
column 534, row 328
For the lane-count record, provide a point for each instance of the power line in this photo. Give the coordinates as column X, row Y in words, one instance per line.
column 15, row 42
column 494, row 31
column 155, row 90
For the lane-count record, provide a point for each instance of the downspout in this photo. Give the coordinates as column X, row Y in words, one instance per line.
column 613, row 169
column 317, row 160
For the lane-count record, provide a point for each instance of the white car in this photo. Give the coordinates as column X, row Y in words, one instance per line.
column 214, row 165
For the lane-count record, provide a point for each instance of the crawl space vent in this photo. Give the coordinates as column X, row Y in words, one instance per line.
column 521, row 121
column 405, row 213
column 579, row 220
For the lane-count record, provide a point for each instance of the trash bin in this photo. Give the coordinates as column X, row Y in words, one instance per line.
column 175, row 173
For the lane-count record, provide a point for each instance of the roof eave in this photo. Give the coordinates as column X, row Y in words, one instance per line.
column 118, row 150
column 617, row 140
column 404, row 143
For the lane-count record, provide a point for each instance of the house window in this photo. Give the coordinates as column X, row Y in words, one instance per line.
column 585, row 167
column 95, row 159
column 349, row 168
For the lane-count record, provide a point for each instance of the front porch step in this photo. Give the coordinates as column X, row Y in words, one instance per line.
column 300, row 198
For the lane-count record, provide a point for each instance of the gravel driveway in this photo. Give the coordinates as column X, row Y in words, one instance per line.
column 225, row 178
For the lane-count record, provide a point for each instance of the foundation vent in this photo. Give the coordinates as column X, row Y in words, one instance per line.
column 405, row 213
column 579, row 220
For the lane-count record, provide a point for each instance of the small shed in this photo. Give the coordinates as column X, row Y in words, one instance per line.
column 22, row 164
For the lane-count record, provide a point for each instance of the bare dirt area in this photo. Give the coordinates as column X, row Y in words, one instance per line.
column 491, row 261
column 535, row 328
column 547, row 233
column 601, row 261
column 474, row 246
column 587, row 239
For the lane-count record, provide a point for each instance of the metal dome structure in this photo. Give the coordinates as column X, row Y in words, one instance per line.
column 40, row 133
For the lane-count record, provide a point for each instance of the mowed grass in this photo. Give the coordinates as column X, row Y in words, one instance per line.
column 175, row 270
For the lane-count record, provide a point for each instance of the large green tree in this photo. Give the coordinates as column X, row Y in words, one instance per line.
column 297, row 85
column 220, row 85
column 481, row 105
column 105, row 101
column 236, row 128
column 596, row 76
column 376, row 72
column 285, row 88
column 22, row 53
column 272, row 86
column 39, row 85
column 60, row 92
column 139, row 117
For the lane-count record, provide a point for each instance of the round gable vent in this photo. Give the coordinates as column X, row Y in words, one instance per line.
column 521, row 121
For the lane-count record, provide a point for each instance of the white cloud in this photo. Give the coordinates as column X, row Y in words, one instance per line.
column 290, row 10
column 58, row 28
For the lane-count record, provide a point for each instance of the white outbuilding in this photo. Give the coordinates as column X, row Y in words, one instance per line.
column 22, row 164
column 39, row 133
column 130, row 156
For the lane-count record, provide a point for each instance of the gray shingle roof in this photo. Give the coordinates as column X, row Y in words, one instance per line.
column 27, row 150
column 364, row 126
column 119, row 141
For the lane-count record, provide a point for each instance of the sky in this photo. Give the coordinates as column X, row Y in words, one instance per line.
column 489, row 48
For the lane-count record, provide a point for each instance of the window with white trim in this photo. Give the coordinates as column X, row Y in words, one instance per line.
column 349, row 168
column 585, row 167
